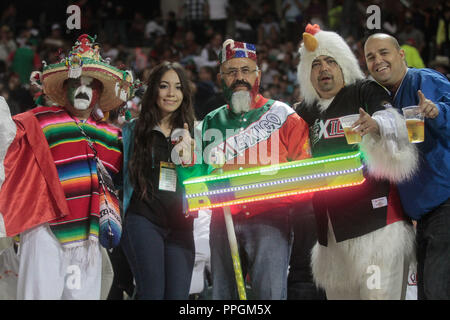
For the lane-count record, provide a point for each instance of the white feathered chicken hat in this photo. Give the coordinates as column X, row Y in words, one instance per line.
column 316, row 43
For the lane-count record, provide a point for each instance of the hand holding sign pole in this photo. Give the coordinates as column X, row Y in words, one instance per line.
column 217, row 161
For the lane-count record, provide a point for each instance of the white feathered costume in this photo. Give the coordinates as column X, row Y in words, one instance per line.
column 343, row 268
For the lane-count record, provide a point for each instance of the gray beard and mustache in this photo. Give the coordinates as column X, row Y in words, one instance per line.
column 240, row 101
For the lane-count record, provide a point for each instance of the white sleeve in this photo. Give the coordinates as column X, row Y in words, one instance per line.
column 7, row 134
column 390, row 155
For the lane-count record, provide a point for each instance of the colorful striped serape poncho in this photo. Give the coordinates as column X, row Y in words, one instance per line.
column 77, row 171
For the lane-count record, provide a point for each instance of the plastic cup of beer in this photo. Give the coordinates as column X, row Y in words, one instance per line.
column 414, row 123
column 346, row 123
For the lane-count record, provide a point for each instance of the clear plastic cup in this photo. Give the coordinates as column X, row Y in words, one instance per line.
column 414, row 123
column 346, row 123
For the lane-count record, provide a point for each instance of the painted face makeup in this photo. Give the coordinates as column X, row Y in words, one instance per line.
column 83, row 93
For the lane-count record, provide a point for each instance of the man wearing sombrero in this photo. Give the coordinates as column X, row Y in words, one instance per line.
column 50, row 190
column 250, row 130
column 365, row 243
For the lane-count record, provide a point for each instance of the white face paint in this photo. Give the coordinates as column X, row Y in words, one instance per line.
column 83, row 94
column 240, row 101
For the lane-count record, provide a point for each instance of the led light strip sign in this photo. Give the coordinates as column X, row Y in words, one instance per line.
column 275, row 181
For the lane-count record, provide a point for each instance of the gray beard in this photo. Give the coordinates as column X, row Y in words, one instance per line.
column 240, row 102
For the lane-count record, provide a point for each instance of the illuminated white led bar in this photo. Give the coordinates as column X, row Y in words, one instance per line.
column 271, row 183
column 286, row 165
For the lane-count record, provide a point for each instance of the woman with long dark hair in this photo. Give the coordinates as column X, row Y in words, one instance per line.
column 158, row 237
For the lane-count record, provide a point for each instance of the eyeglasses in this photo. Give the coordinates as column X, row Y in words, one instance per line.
column 232, row 73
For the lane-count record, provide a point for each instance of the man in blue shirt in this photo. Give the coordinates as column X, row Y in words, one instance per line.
column 425, row 197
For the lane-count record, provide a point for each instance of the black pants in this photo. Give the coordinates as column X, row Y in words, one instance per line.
column 300, row 280
column 123, row 277
column 433, row 254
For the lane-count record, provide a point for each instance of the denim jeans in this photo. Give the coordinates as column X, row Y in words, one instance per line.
column 433, row 254
column 161, row 259
column 264, row 243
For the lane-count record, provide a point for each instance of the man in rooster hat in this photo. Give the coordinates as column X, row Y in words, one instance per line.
column 365, row 244
column 49, row 185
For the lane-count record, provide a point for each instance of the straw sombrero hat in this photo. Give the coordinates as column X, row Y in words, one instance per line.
column 85, row 60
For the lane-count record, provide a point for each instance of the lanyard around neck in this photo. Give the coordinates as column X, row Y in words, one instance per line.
column 89, row 141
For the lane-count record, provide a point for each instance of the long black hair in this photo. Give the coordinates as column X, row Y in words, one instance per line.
column 150, row 116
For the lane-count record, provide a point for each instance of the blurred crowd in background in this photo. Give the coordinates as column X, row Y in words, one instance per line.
column 139, row 36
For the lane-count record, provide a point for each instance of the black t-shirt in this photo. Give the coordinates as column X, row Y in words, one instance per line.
column 163, row 208
column 326, row 134
column 350, row 209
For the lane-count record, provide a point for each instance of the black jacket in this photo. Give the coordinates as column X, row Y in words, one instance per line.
column 351, row 210
column 163, row 208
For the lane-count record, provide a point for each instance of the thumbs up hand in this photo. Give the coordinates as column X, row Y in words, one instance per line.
column 365, row 124
column 427, row 107
column 184, row 144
